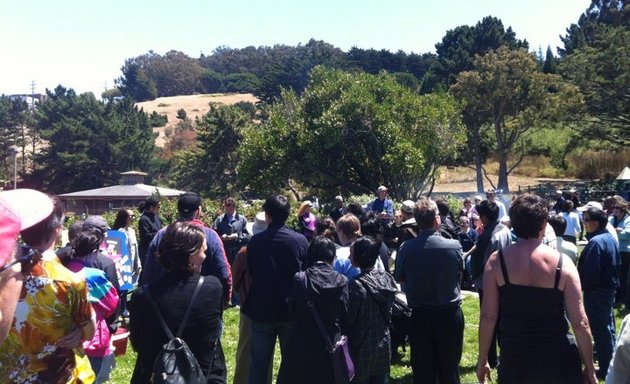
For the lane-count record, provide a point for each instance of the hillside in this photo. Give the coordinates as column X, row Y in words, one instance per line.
column 194, row 105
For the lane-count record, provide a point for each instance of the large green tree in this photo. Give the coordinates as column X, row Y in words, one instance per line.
column 210, row 167
column 88, row 143
column 458, row 48
column 350, row 132
column 507, row 91
column 599, row 15
column 602, row 72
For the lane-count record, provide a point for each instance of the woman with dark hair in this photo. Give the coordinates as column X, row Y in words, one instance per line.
column 104, row 300
column 181, row 252
column 307, row 360
column 533, row 286
column 53, row 315
column 371, row 296
column 124, row 223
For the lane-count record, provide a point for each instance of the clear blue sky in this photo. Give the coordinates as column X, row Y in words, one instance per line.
column 82, row 44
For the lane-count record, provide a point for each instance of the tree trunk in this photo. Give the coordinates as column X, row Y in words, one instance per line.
column 503, row 172
column 478, row 162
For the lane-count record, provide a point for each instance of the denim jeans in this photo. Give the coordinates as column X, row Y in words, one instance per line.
column 263, row 343
column 598, row 305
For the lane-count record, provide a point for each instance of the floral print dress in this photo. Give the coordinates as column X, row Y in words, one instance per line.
column 53, row 302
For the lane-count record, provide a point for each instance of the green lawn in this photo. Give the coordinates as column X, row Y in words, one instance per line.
column 400, row 373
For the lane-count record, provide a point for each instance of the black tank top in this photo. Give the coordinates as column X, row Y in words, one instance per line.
column 529, row 313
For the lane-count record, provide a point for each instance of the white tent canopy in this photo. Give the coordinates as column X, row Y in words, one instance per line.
column 625, row 174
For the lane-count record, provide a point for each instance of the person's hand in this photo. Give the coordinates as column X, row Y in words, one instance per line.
column 589, row 377
column 382, row 215
column 483, row 373
column 619, row 229
column 71, row 340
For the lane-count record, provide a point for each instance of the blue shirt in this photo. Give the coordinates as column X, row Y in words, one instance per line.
column 598, row 264
column 377, row 205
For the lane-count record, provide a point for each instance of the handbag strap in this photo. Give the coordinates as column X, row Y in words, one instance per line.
column 318, row 320
column 165, row 327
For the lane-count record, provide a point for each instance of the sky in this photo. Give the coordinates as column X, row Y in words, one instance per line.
column 82, row 44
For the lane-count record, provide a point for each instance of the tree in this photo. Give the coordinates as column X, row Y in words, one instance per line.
column 134, row 82
column 601, row 71
column 14, row 115
column 600, row 14
column 456, row 52
column 550, row 64
column 210, row 165
column 350, row 132
column 88, row 142
column 507, row 90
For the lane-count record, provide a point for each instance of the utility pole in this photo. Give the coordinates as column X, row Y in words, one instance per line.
column 33, row 84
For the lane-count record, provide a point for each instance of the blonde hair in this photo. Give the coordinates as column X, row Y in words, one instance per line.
column 302, row 208
column 349, row 225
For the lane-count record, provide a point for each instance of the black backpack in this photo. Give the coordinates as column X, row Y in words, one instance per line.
column 176, row 364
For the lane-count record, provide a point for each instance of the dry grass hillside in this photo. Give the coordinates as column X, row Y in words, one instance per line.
column 194, row 105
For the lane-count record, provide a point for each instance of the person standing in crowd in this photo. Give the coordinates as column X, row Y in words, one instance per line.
column 232, row 228
column 620, row 220
column 306, row 220
column 466, row 209
column 566, row 248
column 558, row 207
column 468, row 238
column 572, row 219
column 19, row 209
column 534, row 286
column 103, row 297
column 181, row 252
column 124, row 223
column 491, row 195
column 348, row 230
column 97, row 259
column 431, row 268
column 215, row 262
column 408, row 228
column 307, row 359
column 619, row 370
column 339, row 209
column 382, row 206
column 274, row 256
column 148, row 225
column 495, row 237
column 448, row 228
column 242, row 282
column 371, row 296
column 53, row 317
column 598, row 267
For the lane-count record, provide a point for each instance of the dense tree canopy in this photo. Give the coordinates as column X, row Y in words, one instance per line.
column 88, row 142
column 600, row 14
column 350, row 133
column 602, row 72
column 456, row 52
column 210, row 167
column 507, row 91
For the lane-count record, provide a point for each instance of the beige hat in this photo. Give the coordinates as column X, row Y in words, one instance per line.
column 407, row 206
column 590, row 204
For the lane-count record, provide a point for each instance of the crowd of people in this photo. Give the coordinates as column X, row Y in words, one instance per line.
column 350, row 277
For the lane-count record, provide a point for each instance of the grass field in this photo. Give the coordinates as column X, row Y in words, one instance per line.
column 400, row 372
